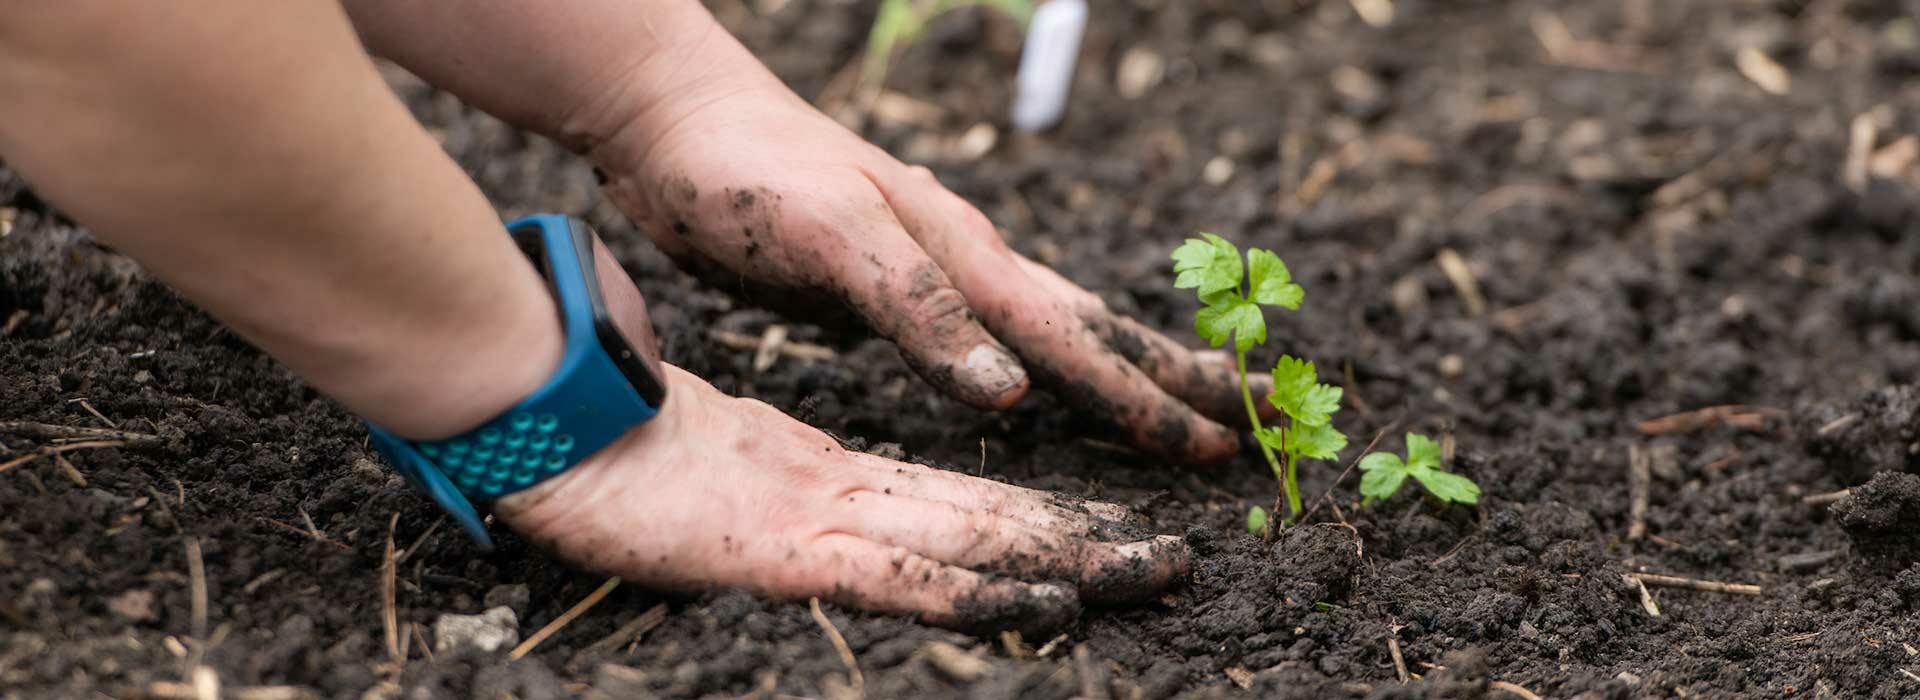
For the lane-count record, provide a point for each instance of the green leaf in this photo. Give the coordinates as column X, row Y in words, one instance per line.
column 1272, row 284
column 1382, row 461
column 1257, row 520
column 1422, row 452
column 1292, row 378
column 1383, row 482
column 1296, row 392
column 1271, row 436
column 1316, row 441
column 1209, row 266
column 1235, row 317
column 1315, row 407
column 1448, row 487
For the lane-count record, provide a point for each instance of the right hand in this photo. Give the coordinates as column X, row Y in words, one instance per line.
column 743, row 182
column 721, row 491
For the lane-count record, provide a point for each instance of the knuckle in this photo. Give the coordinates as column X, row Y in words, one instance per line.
column 914, row 568
column 940, row 307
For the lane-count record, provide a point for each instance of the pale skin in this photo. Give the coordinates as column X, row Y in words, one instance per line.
column 249, row 155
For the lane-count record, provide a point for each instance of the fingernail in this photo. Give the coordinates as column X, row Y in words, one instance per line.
column 1153, row 548
column 990, row 369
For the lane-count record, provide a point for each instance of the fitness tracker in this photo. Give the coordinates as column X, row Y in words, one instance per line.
column 603, row 387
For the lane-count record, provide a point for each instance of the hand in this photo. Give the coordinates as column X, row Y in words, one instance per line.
column 720, row 491
column 743, row 182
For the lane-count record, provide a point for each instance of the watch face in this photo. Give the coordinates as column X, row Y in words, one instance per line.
column 622, row 335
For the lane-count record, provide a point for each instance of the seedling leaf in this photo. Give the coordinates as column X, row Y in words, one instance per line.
column 1383, row 473
column 1448, row 487
column 1316, row 441
column 1233, row 317
column 1292, row 376
column 1209, row 266
column 1422, row 452
column 1296, row 392
column 1272, row 284
column 1383, row 479
column 1257, row 520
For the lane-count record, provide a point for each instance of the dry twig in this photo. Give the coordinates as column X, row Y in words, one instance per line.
column 1399, row 660
column 639, row 625
column 1831, row 497
column 954, row 663
column 1511, row 688
column 1745, row 417
column 1646, row 596
column 1696, row 584
column 792, row 348
column 1091, row 685
column 577, row 610
column 57, row 449
column 389, row 611
column 46, row 431
column 1639, row 483
column 854, row 679
column 1463, row 281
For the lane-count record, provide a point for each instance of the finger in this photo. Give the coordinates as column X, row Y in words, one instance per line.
column 859, row 573
column 1207, row 380
column 1104, row 572
column 904, row 296
column 1042, row 509
column 1049, row 336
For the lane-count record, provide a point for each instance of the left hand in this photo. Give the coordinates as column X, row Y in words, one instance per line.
column 743, row 181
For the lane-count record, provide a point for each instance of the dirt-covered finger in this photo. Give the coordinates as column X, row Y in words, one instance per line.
column 1211, row 386
column 1046, row 331
column 1207, row 380
column 907, row 298
column 1042, row 509
column 1102, row 571
column 856, row 572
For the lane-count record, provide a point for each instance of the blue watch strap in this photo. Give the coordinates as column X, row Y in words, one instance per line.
column 586, row 405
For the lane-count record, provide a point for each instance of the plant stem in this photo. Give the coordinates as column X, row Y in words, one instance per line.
column 1253, row 415
column 1293, row 487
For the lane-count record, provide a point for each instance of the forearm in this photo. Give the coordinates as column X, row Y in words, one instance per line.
column 249, row 155
column 597, row 75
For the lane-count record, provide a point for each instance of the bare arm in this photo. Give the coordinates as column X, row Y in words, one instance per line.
column 249, row 155
column 580, row 72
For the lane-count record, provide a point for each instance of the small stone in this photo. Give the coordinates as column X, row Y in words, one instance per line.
column 1807, row 561
column 1451, row 365
column 366, row 470
column 976, row 142
column 491, row 631
column 132, row 606
column 1140, row 71
column 1409, row 295
column 1218, row 171
column 888, row 450
column 511, row 595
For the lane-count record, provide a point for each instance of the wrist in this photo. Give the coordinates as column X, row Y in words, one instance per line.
column 695, row 63
column 447, row 367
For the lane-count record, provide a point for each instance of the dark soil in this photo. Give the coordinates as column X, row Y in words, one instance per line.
column 1652, row 233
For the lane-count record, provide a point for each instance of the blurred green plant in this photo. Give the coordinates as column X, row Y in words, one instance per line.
column 900, row 22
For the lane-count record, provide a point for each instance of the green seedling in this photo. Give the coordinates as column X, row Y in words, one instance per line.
column 1234, row 296
column 1382, row 473
column 899, row 22
column 1257, row 520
